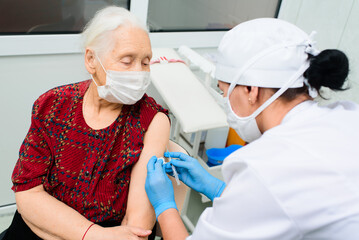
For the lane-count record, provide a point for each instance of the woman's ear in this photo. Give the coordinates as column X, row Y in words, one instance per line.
column 253, row 94
column 90, row 60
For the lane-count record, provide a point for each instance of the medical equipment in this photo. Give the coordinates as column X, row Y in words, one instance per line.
column 195, row 59
column 195, row 176
column 216, row 156
column 175, row 174
column 194, row 108
column 163, row 59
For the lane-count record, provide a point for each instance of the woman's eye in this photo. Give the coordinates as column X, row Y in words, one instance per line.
column 146, row 62
column 126, row 60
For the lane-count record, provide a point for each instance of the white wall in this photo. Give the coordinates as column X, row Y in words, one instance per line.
column 337, row 25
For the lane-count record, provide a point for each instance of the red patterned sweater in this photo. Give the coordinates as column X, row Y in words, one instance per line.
column 87, row 169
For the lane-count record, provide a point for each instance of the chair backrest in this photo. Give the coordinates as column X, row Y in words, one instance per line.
column 179, row 190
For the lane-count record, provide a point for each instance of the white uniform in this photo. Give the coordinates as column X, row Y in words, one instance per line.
column 300, row 180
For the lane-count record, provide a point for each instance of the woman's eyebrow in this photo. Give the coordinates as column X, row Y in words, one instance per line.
column 134, row 55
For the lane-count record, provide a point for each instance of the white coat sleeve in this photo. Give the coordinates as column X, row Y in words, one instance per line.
column 246, row 210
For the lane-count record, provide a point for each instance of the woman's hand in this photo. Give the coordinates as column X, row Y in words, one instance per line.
column 97, row 232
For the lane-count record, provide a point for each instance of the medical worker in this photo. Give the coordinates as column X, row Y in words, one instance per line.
column 298, row 178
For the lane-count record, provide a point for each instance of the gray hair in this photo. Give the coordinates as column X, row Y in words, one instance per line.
column 97, row 30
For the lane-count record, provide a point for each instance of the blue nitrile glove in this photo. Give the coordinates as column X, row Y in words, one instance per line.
column 194, row 175
column 159, row 187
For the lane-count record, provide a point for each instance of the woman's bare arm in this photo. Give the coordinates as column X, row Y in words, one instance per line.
column 48, row 217
column 139, row 210
column 51, row 219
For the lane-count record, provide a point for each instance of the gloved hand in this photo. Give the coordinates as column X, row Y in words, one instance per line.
column 159, row 187
column 194, row 175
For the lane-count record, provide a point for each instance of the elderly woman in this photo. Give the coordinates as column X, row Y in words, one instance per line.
column 82, row 166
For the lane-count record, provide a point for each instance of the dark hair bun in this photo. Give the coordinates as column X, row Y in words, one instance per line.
column 329, row 69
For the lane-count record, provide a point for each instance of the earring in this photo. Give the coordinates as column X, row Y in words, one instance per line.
column 249, row 100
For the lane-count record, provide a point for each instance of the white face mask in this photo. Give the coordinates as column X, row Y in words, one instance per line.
column 123, row 87
column 246, row 127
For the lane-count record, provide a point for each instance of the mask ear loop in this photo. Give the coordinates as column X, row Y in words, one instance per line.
column 275, row 95
column 281, row 90
column 101, row 66
column 257, row 57
column 94, row 80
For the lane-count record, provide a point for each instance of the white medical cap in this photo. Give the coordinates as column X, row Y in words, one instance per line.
column 264, row 52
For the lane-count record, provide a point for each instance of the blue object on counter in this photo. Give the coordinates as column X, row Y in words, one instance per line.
column 217, row 155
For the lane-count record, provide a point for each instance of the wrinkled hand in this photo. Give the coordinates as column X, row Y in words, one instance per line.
column 159, row 187
column 194, row 175
column 117, row 233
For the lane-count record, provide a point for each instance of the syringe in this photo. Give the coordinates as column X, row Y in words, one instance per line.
column 175, row 174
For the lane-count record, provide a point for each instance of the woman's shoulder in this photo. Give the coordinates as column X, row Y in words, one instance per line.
column 72, row 89
column 60, row 94
column 148, row 105
column 148, row 102
column 148, row 108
